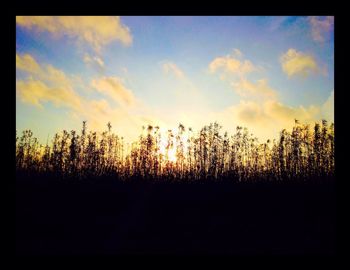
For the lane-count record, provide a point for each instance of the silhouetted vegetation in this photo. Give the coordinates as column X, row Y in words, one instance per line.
column 182, row 155
column 179, row 192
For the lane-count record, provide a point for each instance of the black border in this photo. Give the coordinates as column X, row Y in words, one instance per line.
column 9, row 113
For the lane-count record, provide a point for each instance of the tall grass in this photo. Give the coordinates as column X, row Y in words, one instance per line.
column 182, row 155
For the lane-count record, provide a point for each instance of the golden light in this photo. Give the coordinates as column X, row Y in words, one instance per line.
column 168, row 152
column 172, row 155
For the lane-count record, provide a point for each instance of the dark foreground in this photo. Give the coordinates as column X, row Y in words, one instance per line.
column 105, row 216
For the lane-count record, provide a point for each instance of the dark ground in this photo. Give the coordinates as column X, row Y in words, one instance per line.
column 109, row 217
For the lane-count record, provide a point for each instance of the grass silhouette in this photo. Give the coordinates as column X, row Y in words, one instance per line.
column 204, row 193
column 209, row 154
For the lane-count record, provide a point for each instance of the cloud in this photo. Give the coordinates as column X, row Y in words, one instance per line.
column 47, row 84
column 114, row 88
column 236, row 71
column 36, row 92
column 274, row 112
column 99, row 107
column 231, row 65
column 276, row 22
column 126, row 122
column 98, row 112
column 27, row 63
column 328, row 108
column 260, row 110
column 97, row 31
column 320, row 28
column 245, row 88
column 237, row 52
column 297, row 63
column 51, row 75
column 250, row 112
column 264, row 119
column 286, row 114
column 171, row 68
column 94, row 61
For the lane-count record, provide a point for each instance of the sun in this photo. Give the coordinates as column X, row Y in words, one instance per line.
column 170, row 153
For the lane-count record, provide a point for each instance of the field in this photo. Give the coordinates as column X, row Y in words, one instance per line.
column 218, row 195
column 105, row 216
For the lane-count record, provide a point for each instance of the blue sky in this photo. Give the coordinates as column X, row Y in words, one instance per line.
column 259, row 72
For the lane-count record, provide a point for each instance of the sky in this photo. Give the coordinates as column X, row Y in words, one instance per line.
column 257, row 72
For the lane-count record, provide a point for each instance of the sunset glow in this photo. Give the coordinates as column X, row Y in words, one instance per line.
column 258, row 72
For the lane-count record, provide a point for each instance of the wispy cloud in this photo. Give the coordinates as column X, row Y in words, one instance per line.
column 247, row 94
column 246, row 88
column 277, row 21
column 27, row 63
column 45, row 72
column 114, row 88
column 321, row 27
column 171, row 68
column 36, row 92
column 328, row 108
column 264, row 119
column 46, row 84
column 97, row 31
column 94, row 61
column 286, row 114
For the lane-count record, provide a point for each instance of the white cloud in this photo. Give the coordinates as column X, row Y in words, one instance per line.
column 297, row 63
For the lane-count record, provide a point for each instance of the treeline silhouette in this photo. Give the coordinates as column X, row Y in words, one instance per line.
column 303, row 153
